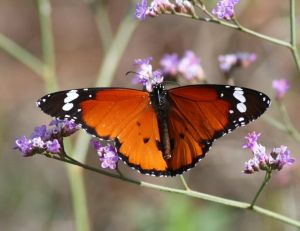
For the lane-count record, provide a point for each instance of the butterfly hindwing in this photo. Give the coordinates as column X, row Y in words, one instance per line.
column 199, row 114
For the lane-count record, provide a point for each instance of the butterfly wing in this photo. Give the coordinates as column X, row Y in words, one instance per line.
column 123, row 115
column 199, row 114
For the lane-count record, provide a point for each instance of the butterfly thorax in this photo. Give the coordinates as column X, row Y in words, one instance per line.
column 160, row 102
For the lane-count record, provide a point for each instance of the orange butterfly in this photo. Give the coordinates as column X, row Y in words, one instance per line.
column 163, row 132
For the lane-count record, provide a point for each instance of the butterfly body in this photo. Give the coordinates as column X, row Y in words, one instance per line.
column 160, row 102
column 163, row 132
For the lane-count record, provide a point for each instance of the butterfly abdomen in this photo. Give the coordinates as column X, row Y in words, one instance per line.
column 160, row 103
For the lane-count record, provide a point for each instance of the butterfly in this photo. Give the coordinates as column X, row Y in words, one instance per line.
column 163, row 132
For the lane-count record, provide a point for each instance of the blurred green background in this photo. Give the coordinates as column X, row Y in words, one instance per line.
column 34, row 192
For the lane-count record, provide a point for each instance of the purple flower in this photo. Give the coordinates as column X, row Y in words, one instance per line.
column 251, row 166
column 107, row 154
column 109, row 158
column 53, row 146
column 141, row 10
column 24, row 145
column 169, row 63
column 189, row 66
column 229, row 61
column 156, row 7
column 225, row 9
column 251, row 139
column 184, row 6
column 63, row 128
column 45, row 139
column 41, row 132
column 145, row 75
column 281, row 87
column 261, row 156
column 278, row 158
column 38, row 143
column 159, row 7
column 96, row 144
column 69, row 127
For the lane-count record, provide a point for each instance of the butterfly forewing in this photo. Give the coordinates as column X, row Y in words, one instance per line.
column 123, row 115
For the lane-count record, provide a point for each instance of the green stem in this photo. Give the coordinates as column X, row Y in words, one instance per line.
column 240, row 28
column 116, row 50
column 77, row 190
column 275, row 123
column 287, row 121
column 293, row 32
column 22, row 55
column 293, row 22
column 75, row 175
column 184, row 183
column 190, row 193
column 104, row 26
column 49, row 70
column 266, row 180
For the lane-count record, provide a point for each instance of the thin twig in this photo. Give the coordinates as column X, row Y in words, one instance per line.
column 22, row 55
column 191, row 193
column 293, row 33
column 184, row 183
column 49, row 70
column 287, row 121
column 266, row 180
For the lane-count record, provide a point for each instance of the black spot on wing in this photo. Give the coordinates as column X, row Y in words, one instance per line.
column 146, row 140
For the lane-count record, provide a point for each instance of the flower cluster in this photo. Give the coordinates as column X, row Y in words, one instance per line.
column 158, row 7
column 278, row 157
column 107, row 154
column 188, row 66
column 281, row 87
column 145, row 75
column 230, row 61
column 46, row 139
column 225, row 9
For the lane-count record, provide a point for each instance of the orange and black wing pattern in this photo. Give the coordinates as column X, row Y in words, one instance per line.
column 196, row 116
column 123, row 115
column 199, row 114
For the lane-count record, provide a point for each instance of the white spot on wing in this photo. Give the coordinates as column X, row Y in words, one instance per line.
column 67, row 107
column 241, row 107
column 241, row 119
column 239, row 96
column 71, row 95
column 231, row 111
